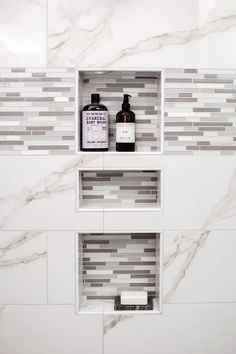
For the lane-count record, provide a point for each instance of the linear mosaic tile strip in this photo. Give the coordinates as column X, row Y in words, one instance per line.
column 37, row 111
column 200, row 111
column 144, row 87
column 117, row 189
column 116, row 262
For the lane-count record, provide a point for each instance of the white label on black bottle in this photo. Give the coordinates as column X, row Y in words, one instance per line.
column 125, row 132
column 95, row 130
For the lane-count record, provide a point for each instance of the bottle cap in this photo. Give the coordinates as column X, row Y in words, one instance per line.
column 126, row 104
column 95, row 98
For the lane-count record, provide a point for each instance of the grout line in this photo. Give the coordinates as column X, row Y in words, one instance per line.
column 103, row 331
column 47, row 269
column 47, row 33
column 116, row 231
column 103, row 313
column 103, row 212
column 35, row 304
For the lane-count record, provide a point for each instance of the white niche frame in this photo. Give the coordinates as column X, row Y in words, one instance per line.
column 80, row 208
column 78, row 108
column 98, row 307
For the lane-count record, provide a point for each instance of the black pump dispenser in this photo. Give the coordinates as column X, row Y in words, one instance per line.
column 126, row 105
column 125, row 127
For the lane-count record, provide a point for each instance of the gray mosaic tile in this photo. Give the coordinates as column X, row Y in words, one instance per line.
column 102, row 274
column 120, row 189
column 211, row 115
column 28, row 96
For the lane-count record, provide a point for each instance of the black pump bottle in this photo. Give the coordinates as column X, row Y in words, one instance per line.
column 125, row 127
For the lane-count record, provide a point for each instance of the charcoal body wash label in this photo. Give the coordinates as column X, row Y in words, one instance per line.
column 125, row 132
column 95, row 130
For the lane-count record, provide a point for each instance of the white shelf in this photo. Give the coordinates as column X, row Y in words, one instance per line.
column 94, row 307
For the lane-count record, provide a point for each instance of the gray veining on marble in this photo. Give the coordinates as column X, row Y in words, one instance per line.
column 19, row 240
column 53, row 184
column 189, row 244
column 22, row 260
column 68, row 27
column 111, row 321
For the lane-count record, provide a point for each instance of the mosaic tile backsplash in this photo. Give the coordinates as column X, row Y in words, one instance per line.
column 200, row 111
column 37, row 111
column 117, row 189
column 143, row 86
column 116, row 262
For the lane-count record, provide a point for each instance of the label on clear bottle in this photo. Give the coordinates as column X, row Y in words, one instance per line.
column 125, row 132
column 95, row 130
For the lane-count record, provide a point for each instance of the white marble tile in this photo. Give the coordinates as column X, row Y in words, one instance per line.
column 39, row 193
column 49, row 329
column 198, row 265
column 130, row 33
column 61, row 267
column 185, row 329
column 198, row 193
column 23, row 37
column 23, row 267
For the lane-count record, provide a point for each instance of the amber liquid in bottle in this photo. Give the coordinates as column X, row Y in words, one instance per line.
column 125, row 127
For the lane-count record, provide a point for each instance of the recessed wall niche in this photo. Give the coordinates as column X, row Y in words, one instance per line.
column 108, row 263
column 147, row 90
column 119, row 189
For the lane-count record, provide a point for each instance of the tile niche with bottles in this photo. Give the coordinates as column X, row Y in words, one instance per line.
column 146, row 88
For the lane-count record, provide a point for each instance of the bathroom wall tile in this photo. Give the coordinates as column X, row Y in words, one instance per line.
column 197, row 266
column 197, row 194
column 49, row 329
column 39, row 193
column 23, row 40
column 23, row 267
column 61, row 267
column 200, row 116
column 37, row 111
column 195, row 328
column 173, row 34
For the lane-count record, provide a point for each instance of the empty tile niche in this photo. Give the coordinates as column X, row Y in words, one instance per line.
column 145, row 87
column 119, row 189
column 109, row 263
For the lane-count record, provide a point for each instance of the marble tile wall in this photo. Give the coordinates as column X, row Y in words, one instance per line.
column 38, row 217
column 185, row 33
column 23, row 40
